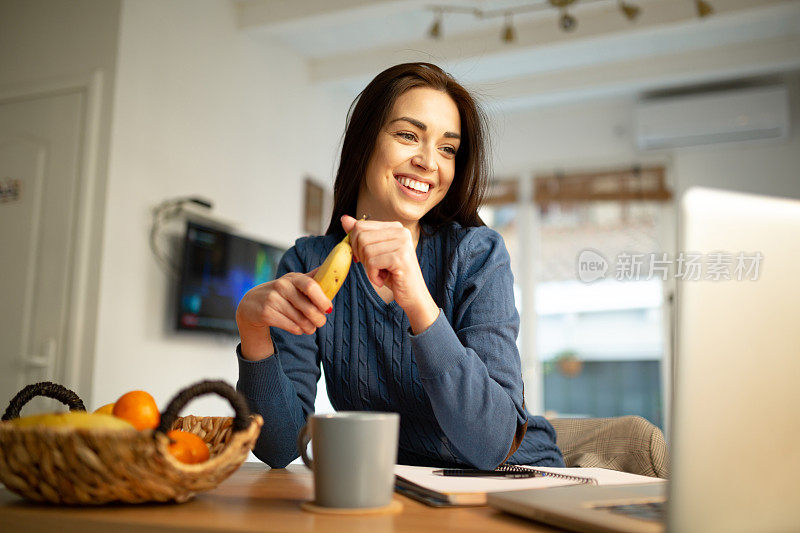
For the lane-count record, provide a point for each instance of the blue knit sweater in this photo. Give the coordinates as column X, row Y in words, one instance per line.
column 457, row 385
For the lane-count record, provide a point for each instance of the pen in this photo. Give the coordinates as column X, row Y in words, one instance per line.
column 471, row 472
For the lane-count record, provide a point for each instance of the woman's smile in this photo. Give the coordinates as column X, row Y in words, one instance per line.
column 413, row 187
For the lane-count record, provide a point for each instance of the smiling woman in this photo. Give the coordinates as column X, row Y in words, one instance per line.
column 425, row 323
column 413, row 162
column 397, row 103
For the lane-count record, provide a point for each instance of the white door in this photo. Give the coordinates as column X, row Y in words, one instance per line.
column 40, row 146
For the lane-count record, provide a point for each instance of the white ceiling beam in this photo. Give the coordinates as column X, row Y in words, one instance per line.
column 640, row 75
column 537, row 36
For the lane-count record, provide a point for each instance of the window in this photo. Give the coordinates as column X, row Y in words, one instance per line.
column 598, row 347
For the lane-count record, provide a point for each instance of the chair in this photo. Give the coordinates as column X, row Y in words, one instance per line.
column 626, row 443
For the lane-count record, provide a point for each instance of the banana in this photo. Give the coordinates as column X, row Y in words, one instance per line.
column 333, row 271
column 73, row 419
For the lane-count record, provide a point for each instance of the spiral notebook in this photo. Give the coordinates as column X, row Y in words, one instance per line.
column 422, row 484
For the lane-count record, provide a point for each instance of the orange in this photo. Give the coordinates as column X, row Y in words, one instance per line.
column 107, row 409
column 187, row 447
column 138, row 408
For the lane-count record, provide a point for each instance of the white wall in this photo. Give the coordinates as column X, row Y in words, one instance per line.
column 200, row 108
column 600, row 133
column 561, row 137
column 771, row 168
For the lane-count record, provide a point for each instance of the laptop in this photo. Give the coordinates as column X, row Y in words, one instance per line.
column 735, row 447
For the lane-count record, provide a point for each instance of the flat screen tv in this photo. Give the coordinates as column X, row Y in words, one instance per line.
column 218, row 268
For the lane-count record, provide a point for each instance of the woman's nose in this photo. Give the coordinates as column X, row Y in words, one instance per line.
column 426, row 161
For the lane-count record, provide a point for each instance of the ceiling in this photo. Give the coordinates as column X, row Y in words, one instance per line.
column 347, row 42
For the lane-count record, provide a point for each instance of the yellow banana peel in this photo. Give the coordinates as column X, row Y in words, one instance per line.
column 333, row 271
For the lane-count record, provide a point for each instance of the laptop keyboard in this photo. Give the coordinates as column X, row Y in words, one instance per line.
column 654, row 511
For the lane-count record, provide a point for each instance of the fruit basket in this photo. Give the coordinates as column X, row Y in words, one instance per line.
column 90, row 466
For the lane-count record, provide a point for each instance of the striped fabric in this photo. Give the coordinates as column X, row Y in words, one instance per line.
column 627, row 443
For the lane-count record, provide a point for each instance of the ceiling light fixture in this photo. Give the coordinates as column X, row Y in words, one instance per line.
column 509, row 35
column 566, row 20
column 436, row 29
column 629, row 10
column 704, row 9
column 561, row 4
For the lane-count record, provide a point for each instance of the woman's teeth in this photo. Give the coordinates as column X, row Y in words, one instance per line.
column 414, row 184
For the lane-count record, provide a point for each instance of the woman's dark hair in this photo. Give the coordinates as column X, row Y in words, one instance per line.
column 367, row 115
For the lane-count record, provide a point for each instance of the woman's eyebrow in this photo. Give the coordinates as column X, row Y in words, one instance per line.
column 423, row 127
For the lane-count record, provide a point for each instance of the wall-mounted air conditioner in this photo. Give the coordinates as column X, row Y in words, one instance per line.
column 709, row 118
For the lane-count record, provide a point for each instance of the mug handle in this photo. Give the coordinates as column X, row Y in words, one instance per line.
column 303, row 438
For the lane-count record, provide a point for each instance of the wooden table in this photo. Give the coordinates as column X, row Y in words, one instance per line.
column 254, row 498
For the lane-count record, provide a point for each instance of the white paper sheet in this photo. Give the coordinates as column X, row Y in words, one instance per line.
column 424, row 477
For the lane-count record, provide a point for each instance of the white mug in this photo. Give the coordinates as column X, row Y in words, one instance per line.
column 354, row 453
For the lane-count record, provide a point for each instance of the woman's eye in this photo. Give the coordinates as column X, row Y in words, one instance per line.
column 411, row 137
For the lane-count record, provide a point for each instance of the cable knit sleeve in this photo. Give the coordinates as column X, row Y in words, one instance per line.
column 469, row 363
column 282, row 387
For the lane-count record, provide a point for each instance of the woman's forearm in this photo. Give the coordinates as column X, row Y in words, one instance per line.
column 475, row 409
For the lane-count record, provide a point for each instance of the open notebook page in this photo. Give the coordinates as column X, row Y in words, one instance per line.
column 453, row 487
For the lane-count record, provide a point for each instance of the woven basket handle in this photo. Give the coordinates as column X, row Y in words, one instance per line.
column 44, row 388
column 240, row 422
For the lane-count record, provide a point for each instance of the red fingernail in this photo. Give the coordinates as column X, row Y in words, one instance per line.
column 330, row 309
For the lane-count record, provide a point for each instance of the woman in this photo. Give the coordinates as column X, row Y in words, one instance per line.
column 425, row 323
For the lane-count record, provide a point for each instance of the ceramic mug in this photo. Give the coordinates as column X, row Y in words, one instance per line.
column 353, row 457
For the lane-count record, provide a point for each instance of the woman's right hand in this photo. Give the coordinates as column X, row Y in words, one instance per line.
column 294, row 302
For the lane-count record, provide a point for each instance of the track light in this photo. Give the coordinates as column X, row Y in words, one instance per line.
column 561, row 4
column 436, row 29
column 629, row 10
column 704, row 9
column 509, row 35
column 567, row 22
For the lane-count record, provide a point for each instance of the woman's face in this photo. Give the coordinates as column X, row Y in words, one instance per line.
column 414, row 159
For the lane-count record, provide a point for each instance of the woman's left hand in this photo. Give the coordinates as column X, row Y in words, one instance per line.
column 386, row 249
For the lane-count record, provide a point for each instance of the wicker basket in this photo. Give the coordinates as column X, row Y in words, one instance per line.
column 96, row 466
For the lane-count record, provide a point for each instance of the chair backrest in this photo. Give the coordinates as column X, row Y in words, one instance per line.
column 626, row 443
